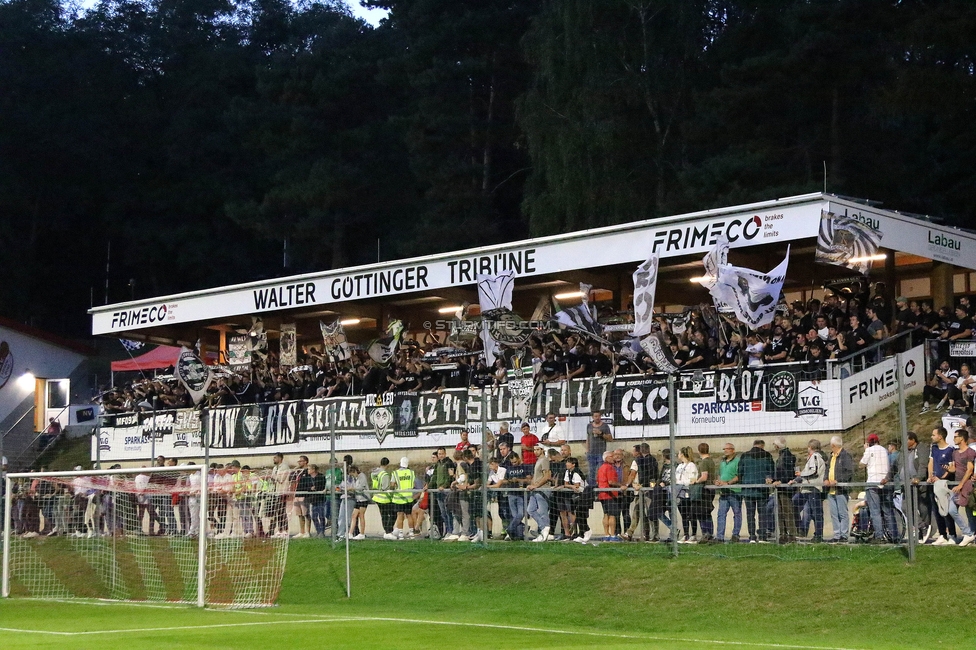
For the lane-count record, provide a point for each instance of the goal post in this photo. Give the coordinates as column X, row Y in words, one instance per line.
column 168, row 534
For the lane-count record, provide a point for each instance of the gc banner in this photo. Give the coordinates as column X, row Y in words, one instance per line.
column 642, row 401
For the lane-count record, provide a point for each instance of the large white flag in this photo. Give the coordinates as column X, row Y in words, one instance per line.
column 751, row 295
column 495, row 298
column 645, row 286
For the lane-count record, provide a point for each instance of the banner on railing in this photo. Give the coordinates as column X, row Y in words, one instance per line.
column 962, row 349
column 765, row 401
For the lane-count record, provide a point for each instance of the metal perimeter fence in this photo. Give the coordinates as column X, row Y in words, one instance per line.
column 678, row 518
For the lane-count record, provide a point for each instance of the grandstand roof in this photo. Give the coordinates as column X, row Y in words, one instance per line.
column 413, row 289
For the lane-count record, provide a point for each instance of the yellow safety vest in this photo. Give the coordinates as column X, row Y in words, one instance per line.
column 405, row 479
column 378, row 495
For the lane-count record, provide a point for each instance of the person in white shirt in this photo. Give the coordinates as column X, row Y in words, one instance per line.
column 754, row 350
column 551, row 433
column 496, row 480
column 875, row 459
column 142, row 502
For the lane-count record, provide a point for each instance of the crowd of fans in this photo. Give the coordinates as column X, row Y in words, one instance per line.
column 543, row 492
column 804, row 334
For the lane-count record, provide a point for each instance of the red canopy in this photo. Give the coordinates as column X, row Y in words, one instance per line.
column 162, row 357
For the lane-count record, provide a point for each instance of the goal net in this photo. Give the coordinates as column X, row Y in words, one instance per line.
column 135, row 535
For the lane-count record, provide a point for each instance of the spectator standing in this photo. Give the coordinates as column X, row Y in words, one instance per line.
column 811, row 478
column 597, row 435
column 782, row 496
column 517, row 475
column 875, row 459
column 553, row 434
column 939, row 470
column 685, row 475
column 704, row 504
column 528, row 441
column 916, row 457
column 538, row 506
column 316, row 500
column 840, row 469
column 440, row 483
column 607, row 478
column 962, row 464
column 729, row 498
column 280, row 481
column 756, row 467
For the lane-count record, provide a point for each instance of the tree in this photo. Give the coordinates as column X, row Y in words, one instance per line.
column 603, row 116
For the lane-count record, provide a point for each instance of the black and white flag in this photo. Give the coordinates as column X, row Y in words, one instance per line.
column 659, row 352
column 288, row 355
column 383, row 350
column 521, row 380
column 846, row 241
column 193, row 374
column 645, row 286
column 751, row 295
column 334, row 341
column 259, row 339
column 495, row 298
column 238, row 354
column 581, row 317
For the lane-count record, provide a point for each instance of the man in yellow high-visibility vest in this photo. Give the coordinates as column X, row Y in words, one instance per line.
column 380, row 481
column 404, row 480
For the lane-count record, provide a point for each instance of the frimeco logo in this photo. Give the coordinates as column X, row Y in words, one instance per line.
column 695, row 236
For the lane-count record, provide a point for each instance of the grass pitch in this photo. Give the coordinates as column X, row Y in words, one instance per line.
column 422, row 595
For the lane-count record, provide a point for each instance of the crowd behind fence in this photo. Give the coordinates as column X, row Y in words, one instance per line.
column 749, row 497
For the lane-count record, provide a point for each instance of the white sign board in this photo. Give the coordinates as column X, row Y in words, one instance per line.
column 668, row 237
column 867, row 392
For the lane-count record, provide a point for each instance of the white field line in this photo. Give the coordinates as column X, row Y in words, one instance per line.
column 517, row 628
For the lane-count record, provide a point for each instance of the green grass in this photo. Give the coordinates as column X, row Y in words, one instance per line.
column 66, row 454
column 630, row 595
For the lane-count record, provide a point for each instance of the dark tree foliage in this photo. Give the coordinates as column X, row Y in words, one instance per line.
column 202, row 138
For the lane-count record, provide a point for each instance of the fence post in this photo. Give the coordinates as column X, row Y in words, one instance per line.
column 672, row 429
column 333, row 502
column 908, row 494
column 485, row 506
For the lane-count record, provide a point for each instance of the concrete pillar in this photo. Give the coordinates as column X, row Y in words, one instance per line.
column 941, row 279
